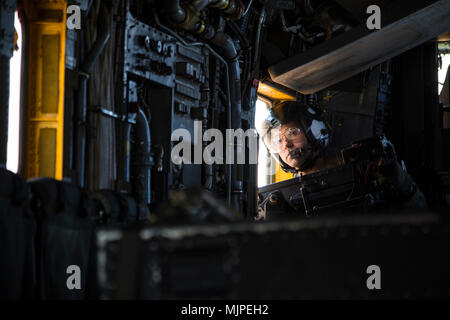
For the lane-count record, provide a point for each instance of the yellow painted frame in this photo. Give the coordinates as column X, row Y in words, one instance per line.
column 268, row 91
column 46, row 27
column 282, row 175
column 274, row 94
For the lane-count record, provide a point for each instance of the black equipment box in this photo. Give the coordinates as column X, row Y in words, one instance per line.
column 352, row 185
column 328, row 189
column 320, row 258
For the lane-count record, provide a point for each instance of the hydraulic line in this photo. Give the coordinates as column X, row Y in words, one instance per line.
column 103, row 37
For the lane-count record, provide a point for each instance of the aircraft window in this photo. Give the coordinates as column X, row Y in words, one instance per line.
column 265, row 162
column 14, row 102
column 444, row 92
column 443, row 71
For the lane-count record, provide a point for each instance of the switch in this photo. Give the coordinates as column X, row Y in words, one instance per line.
column 169, row 51
column 159, row 47
column 185, row 69
column 147, row 43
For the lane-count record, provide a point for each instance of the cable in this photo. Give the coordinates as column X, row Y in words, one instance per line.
column 248, row 7
column 227, row 74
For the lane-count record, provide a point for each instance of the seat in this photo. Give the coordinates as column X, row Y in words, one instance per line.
column 117, row 209
column 17, row 232
column 65, row 238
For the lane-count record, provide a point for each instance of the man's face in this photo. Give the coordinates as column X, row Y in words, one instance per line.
column 290, row 138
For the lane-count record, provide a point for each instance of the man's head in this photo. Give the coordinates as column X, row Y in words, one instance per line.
column 295, row 134
column 291, row 138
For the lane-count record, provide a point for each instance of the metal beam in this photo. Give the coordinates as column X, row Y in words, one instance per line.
column 359, row 49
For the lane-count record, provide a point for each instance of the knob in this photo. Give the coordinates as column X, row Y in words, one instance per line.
column 159, row 47
column 147, row 43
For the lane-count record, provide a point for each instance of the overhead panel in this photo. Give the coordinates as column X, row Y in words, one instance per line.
column 405, row 25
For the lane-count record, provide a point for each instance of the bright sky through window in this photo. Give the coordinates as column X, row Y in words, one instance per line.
column 14, row 103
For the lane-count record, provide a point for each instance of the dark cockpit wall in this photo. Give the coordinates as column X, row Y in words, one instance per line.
column 204, row 249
